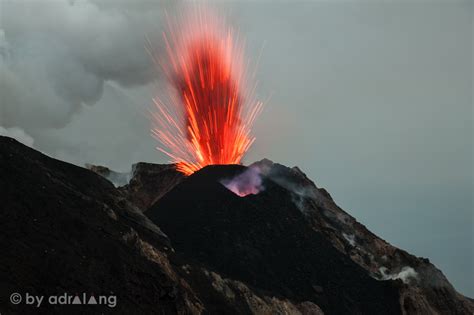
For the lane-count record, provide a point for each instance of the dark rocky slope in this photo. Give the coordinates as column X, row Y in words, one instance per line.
column 265, row 241
column 287, row 250
column 425, row 291
column 66, row 229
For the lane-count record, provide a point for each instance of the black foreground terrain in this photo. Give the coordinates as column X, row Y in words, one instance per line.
column 287, row 250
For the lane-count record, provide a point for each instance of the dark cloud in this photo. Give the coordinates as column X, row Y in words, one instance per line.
column 56, row 56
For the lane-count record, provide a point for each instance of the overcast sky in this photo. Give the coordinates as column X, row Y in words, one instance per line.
column 372, row 100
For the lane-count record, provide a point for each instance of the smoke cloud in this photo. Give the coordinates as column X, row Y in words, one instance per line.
column 247, row 183
column 407, row 274
column 56, row 56
column 18, row 134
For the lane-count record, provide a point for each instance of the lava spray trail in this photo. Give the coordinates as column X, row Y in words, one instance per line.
column 210, row 107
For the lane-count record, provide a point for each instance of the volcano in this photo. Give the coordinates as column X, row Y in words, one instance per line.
column 172, row 244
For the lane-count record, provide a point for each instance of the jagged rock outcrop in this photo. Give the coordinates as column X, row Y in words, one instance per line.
column 150, row 182
column 145, row 184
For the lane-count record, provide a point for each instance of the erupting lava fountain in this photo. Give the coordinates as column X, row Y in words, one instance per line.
column 210, row 106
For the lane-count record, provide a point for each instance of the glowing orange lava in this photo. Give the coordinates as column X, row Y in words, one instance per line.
column 209, row 110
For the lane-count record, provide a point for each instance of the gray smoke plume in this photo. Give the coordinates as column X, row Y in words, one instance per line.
column 406, row 274
column 248, row 182
column 56, row 56
column 18, row 134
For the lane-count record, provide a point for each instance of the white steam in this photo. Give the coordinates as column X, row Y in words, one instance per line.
column 18, row 134
column 247, row 183
column 350, row 238
column 119, row 179
column 407, row 274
